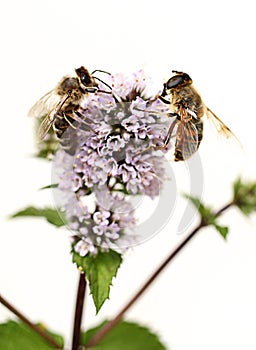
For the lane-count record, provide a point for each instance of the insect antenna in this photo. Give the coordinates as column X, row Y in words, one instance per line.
column 116, row 98
column 101, row 71
column 103, row 82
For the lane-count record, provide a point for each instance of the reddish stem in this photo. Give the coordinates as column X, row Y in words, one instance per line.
column 39, row 330
column 112, row 323
column 79, row 312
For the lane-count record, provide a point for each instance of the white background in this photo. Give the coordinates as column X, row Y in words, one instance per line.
column 207, row 298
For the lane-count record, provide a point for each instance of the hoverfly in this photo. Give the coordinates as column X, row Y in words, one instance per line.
column 188, row 109
column 60, row 106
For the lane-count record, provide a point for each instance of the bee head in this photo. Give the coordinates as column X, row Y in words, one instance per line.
column 178, row 80
column 67, row 84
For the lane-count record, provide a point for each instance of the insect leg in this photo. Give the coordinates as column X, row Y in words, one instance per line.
column 166, row 140
column 164, row 100
column 68, row 121
column 61, row 103
column 167, row 137
column 80, row 119
column 168, row 114
column 81, row 124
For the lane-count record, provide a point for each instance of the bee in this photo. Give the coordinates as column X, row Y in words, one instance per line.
column 60, row 107
column 188, row 110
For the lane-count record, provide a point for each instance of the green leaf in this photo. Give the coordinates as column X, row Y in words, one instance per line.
column 207, row 216
column 223, row 230
column 18, row 336
column 125, row 336
column 47, row 154
column 245, row 196
column 49, row 187
column 99, row 269
column 206, row 213
column 46, row 148
column 236, row 187
column 51, row 215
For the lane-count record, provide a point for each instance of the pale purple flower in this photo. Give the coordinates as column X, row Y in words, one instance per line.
column 105, row 225
column 115, row 143
column 101, row 218
column 114, row 160
column 85, row 246
column 121, row 85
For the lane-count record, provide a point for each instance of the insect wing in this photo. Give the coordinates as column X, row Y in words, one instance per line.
column 44, row 106
column 187, row 140
column 218, row 124
column 45, row 126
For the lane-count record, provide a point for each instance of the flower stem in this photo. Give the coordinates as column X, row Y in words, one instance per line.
column 108, row 326
column 36, row 328
column 227, row 206
column 112, row 323
column 79, row 311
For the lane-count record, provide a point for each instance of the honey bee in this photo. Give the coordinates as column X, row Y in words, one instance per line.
column 60, row 107
column 188, row 110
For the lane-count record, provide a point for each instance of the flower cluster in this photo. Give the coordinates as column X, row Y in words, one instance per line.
column 114, row 159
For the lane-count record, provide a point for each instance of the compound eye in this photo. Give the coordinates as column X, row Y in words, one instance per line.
column 174, row 82
column 84, row 76
column 85, row 79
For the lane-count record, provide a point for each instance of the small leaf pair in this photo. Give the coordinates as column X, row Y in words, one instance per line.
column 208, row 217
column 245, row 196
